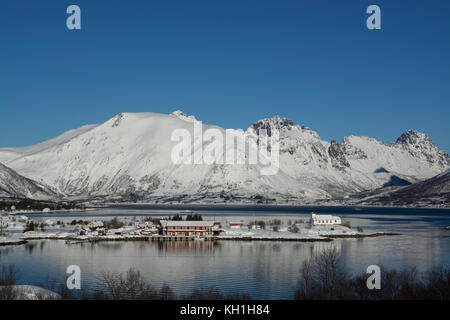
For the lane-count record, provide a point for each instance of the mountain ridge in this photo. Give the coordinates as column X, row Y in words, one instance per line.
column 128, row 157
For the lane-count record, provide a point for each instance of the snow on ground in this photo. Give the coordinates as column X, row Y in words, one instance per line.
column 301, row 231
column 10, row 240
column 27, row 292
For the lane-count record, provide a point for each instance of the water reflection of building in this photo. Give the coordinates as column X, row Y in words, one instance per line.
column 318, row 247
column 191, row 247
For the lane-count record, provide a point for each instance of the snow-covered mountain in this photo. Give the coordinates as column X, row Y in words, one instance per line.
column 9, row 154
column 14, row 185
column 129, row 157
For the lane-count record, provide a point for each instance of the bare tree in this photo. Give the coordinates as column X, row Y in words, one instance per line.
column 8, row 278
column 166, row 292
column 322, row 277
column 131, row 286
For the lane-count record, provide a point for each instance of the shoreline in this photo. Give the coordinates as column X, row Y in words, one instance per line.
column 372, row 235
column 181, row 205
column 230, row 206
column 23, row 212
column 84, row 239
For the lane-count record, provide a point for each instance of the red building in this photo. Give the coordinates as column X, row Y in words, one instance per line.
column 236, row 225
column 187, row 228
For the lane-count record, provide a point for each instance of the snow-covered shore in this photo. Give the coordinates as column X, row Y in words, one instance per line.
column 296, row 232
column 28, row 292
column 15, row 232
column 5, row 241
column 34, row 211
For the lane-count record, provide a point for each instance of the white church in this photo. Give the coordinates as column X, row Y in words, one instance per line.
column 323, row 219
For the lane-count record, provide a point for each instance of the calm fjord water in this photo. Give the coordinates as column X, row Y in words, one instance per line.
column 264, row 270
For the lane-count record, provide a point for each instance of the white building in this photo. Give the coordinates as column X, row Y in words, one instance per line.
column 22, row 219
column 143, row 224
column 49, row 222
column 95, row 224
column 324, row 219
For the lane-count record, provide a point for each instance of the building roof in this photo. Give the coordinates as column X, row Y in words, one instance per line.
column 187, row 223
column 325, row 217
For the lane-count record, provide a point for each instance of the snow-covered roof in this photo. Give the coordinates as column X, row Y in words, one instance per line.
column 187, row 223
column 324, row 217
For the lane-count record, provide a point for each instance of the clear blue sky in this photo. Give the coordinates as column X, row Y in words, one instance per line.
column 229, row 63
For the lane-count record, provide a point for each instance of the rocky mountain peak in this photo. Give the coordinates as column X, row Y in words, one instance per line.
column 421, row 146
column 414, row 137
column 270, row 124
column 180, row 114
column 117, row 119
column 338, row 159
column 132, row 159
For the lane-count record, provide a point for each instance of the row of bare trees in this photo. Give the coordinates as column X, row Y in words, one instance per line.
column 117, row 286
column 323, row 277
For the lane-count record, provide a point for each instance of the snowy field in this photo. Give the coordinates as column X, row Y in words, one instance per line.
column 298, row 231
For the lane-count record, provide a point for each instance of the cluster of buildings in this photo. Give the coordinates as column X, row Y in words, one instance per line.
column 7, row 220
column 166, row 229
column 145, row 228
column 95, row 227
column 205, row 229
column 98, row 228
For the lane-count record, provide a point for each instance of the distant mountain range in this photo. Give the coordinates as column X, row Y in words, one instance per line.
column 128, row 158
column 430, row 192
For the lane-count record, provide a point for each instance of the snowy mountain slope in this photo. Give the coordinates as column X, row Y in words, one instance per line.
column 130, row 154
column 9, row 154
column 14, row 185
column 418, row 160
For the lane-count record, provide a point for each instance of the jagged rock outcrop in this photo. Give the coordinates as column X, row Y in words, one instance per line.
column 337, row 156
